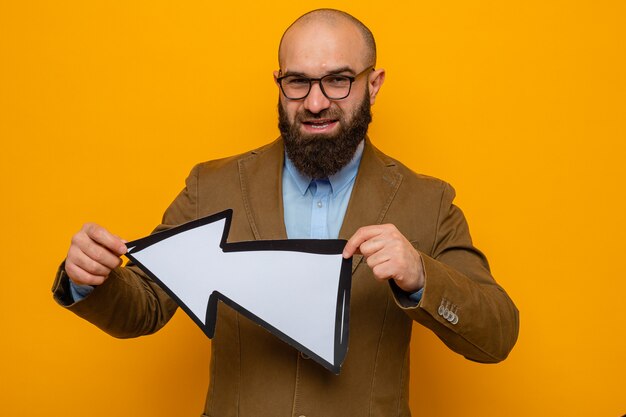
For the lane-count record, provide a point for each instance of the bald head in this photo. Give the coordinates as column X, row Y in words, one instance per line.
column 333, row 20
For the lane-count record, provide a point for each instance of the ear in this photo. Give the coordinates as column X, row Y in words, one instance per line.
column 276, row 75
column 376, row 80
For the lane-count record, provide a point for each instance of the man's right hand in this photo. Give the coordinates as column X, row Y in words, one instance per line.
column 94, row 252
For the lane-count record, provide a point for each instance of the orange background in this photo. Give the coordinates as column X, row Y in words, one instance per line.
column 521, row 105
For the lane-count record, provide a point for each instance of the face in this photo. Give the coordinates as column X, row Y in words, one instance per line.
column 321, row 135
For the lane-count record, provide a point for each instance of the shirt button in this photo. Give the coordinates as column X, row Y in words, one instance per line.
column 319, row 204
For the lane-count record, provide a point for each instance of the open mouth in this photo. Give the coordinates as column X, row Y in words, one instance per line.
column 319, row 124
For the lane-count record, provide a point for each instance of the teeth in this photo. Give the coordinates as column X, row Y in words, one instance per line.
column 319, row 125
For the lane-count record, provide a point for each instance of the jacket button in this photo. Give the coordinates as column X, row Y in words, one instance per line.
column 450, row 317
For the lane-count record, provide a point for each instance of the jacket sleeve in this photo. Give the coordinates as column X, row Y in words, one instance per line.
column 128, row 303
column 461, row 302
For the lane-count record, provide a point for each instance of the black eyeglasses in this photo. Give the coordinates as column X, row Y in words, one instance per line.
column 333, row 86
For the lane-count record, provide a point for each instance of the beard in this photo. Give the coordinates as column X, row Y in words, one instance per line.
column 319, row 155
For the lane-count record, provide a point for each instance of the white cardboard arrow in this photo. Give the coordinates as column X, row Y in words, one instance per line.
column 298, row 289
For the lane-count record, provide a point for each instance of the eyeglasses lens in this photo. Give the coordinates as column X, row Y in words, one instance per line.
column 334, row 87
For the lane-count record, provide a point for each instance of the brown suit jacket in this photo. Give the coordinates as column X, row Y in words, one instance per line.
column 253, row 373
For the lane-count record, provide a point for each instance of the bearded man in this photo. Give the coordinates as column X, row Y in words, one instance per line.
column 413, row 255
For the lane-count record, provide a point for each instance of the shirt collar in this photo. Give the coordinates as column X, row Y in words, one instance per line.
column 337, row 181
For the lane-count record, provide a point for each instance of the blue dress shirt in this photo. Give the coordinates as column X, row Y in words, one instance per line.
column 314, row 209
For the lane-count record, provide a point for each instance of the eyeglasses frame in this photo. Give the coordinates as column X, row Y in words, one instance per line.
column 352, row 78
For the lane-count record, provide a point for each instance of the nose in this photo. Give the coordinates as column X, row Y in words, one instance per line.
column 316, row 101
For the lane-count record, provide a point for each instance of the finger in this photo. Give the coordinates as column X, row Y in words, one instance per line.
column 406, row 271
column 383, row 271
column 374, row 245
column 105, row 238
column 377, row 259
column 82, row 277
column 395, row 257
column 363, row 234
column 83, row 244
column 100, row 254
column 93, row 266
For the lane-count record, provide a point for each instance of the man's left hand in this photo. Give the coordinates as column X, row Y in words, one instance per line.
column 389, row 254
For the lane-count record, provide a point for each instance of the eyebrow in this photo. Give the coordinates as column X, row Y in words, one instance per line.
column 331, row 72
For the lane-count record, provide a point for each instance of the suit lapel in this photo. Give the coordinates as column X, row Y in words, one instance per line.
column 375, row 187
column 260, row 176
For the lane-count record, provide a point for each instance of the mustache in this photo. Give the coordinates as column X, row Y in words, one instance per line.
column 329, row 113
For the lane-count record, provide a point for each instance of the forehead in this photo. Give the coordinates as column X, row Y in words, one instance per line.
column 315, row 48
